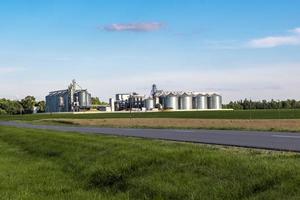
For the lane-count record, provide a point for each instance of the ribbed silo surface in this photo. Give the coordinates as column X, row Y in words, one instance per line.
column 89, row 100
column 209, row 102
column 215, row 101
column 82, row 98
column 201, row 101
column 185, row 102
column 57, row 101
column 149, row 104
column 171, row 102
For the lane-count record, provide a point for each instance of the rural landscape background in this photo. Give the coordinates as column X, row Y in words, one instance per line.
column 247, row 51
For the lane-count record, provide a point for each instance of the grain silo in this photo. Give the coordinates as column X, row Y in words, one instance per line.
column 171, row 101
column 201, row 101
column 186, row 101
column 214, row 101
column 149, row 104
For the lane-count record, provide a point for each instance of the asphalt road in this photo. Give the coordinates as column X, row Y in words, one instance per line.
column 252, row 139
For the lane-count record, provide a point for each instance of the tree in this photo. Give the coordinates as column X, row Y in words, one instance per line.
column 41, row 106
column 96, row 101
column 2, row 112
column 15, row 107
column 293, row 103
column 264, row 104
column 28, row 104
column 10, row 107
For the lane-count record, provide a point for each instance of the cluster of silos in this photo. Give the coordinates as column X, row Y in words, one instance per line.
column 69, row 100
column 184, row 101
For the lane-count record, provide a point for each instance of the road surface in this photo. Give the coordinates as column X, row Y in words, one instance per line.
column 282, row 141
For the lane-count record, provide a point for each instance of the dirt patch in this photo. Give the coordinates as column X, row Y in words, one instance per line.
column 270, row 125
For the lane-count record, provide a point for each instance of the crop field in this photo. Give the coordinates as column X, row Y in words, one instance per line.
column 290, row 125
column 39, row 164
column 261, row 120
column 233, row 114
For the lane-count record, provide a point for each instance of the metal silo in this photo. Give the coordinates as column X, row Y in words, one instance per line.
column 112, row 104
column 61, row 101
column 209, row 102
column 201, row 101
column 186, row 101
column 89, row 100
column 171, row 101
column 161, row 101
column 82, row 98
column 194, row 105
column 149, row 104
column 215, row 101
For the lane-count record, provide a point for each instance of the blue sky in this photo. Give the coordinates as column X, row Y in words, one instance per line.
column 242, row 49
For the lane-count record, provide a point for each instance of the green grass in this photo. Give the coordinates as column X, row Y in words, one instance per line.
column 38, row 164
column 234, row 114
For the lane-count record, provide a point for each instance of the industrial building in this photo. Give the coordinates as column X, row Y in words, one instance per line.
column 164, row 100
column 127, row 101
column 73, row 99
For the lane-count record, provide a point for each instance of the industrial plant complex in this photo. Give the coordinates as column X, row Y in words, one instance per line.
column 166, row 100
column 73, row 99
column 76, row 99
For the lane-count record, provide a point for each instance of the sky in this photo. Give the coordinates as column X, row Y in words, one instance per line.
column 241, row 49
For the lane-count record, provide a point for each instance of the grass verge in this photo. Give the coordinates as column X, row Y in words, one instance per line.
column 38, row 164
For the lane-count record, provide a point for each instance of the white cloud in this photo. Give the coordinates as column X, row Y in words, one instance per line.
column 134, row 27
column 275, row 41
column 296, row 30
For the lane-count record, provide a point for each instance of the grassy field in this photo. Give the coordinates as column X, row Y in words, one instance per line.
column 234, row 114
column 36, row 164
column 290, row 125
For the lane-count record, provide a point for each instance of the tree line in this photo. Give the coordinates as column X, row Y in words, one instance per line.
column 29, row 105
column 25, row 106
column 247, row 104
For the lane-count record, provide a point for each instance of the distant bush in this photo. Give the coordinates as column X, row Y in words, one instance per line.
column 2, row 112
column 96, row 101
column 247, row 104
column 25, row 106
column 10, row 107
